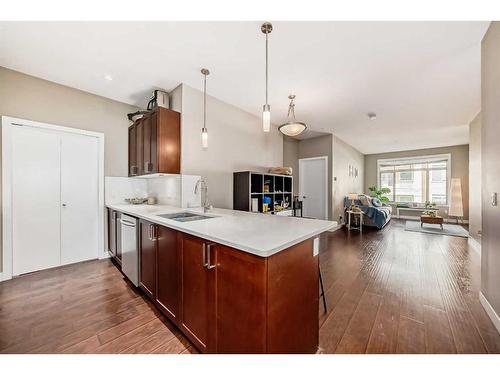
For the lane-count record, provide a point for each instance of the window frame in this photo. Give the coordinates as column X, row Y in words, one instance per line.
column 411, row 160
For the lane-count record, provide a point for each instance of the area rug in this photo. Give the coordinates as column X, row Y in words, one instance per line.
column 448, row 229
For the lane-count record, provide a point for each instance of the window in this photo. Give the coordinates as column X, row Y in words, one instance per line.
column 416, row 180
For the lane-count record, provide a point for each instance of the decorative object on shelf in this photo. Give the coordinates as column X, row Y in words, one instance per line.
column 159, row 98
column 136, row 115
column 204, row 131
column 136, row 200
column 380, row 193
column 292, row 127
column 266, row 28
column 456, row 204
column 288, row 171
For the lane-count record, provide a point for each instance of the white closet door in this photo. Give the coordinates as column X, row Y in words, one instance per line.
column 79, row 198
column 35, row 199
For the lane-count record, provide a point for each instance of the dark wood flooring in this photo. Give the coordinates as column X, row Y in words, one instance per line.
column 388, row 291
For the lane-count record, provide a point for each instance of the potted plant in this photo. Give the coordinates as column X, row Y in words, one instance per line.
column 379, row 193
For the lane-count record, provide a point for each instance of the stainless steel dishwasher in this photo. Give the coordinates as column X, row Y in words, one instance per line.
column 129, row 246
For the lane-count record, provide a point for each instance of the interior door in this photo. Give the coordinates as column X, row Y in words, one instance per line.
column 313, row 187
column 35, row 199
column 79, row 193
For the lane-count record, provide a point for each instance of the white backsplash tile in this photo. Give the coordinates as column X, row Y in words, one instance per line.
column 172, row 190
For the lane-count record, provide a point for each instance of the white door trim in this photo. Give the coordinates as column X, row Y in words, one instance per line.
column 7, row 124
column 325, row 158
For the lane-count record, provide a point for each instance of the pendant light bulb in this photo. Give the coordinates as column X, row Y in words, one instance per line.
column 204, row 137
column 266, row 28
column 204, row 130
column 266, row 118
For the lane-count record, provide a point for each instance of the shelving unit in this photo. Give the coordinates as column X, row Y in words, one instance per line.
column 254, row 185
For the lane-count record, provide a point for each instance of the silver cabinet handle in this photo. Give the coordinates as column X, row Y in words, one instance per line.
column 132, row 169
column 127, row 223
column 204, row 262
column 209, row 248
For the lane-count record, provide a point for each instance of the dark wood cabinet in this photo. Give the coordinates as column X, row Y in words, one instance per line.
column 147, row 257
column 132, row 151
column 112, row 232
column 168, row 271
column 155, row 143
column 197, row 292
column 114, row 235
column 229, row 301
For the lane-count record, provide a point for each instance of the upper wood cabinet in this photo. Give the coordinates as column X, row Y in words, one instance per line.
column 155, row 143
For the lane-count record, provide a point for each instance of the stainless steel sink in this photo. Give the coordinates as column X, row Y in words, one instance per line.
column 185, row 216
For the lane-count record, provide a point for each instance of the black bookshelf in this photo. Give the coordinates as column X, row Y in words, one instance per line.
column 249, row 185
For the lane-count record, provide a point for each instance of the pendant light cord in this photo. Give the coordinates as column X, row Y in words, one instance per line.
column 267, row 53
column 205, row 101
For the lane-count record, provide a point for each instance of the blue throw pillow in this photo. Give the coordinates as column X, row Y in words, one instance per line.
column 376, row 202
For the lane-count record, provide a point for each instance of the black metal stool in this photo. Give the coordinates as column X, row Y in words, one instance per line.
column 322, row 290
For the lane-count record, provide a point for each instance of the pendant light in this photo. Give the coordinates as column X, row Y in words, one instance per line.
column 204, row 130
column 266, row 28
column 292, row 127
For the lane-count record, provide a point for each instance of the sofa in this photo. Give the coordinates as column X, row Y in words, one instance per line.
column 375, row 215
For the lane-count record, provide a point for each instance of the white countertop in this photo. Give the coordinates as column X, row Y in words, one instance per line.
column 259, row 234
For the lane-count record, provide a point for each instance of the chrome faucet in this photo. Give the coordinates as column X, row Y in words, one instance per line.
column 202, row 184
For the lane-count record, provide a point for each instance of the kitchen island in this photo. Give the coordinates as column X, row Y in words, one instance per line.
column 235, row 282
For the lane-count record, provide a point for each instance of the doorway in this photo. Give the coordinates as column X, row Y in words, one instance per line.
column 52, row 196
column 313, row 187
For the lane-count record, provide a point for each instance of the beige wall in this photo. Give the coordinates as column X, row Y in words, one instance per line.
column 35, row 99
column 459, row 168
column 475, row 178
column 343, row 156
column 236, row 142
column 490, row 160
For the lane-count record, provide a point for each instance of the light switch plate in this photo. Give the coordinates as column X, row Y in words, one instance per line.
column 316, row 247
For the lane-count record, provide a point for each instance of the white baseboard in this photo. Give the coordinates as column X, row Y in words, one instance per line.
column 489, row 310
column 105, row 255
column 336, row 228
column 475, row 245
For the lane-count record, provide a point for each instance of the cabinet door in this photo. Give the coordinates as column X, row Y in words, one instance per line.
column 197, row 294
column 241, row 290
column 112, row 231
column 139, row 146
column 132, row 151
column 153, row 159
column 168, row 141
column 118, row 237
column 167, row 271
column 147, row 274
column 146, row 144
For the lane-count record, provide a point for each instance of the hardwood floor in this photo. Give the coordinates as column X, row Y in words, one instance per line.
column 393, row 291
column 388, row 291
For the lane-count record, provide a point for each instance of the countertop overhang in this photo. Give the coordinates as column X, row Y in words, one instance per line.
column 255, row 233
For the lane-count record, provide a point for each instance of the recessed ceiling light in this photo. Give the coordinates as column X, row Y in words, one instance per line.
column 107, row 77
column 372, row 116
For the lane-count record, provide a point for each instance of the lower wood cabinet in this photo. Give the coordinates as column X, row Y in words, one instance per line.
column 147, row 257
column 168, row 271
column 228, row 301
column 114, row 235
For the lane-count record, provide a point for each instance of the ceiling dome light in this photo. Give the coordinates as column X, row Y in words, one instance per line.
column 107, row 77
column 372, row 116
column 292, row 127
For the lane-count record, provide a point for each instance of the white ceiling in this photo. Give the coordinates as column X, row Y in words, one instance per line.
column 422, row 79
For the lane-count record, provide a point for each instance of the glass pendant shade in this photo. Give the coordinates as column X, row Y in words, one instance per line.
column 266, row 118
column 292, row 129
column 204, row 137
